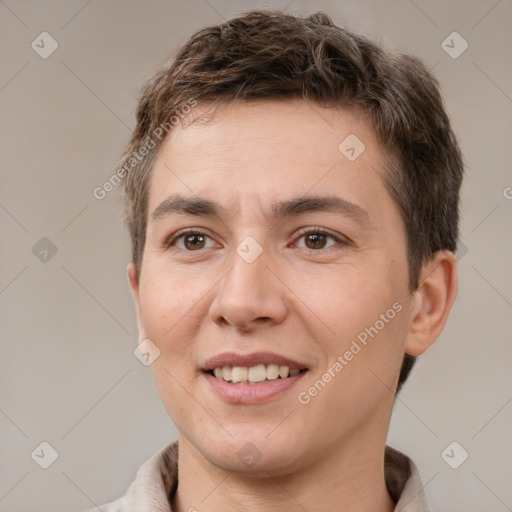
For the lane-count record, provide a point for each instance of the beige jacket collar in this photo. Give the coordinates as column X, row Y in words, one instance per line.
column 157, row 480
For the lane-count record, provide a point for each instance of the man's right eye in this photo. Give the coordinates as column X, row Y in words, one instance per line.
column 190, row 240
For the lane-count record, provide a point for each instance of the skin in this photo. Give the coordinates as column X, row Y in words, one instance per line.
column 307, row 301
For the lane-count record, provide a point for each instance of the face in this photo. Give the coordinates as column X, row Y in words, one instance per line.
column 273, row 249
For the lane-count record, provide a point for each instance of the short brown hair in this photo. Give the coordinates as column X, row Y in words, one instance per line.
column 274, row 55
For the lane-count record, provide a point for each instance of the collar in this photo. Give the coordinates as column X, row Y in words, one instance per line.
column 157, row 480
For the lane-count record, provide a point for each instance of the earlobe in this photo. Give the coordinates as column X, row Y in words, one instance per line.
column 433, row 300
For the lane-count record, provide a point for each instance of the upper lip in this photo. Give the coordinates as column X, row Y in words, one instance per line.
column 254, row 359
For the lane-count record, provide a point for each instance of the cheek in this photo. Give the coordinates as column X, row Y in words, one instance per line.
column 171, row 313
column 362, row 334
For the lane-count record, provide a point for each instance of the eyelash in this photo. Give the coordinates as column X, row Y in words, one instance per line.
column 301, row 233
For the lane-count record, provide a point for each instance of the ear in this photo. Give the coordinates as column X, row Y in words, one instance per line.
column 134, row 287
column 432, row 302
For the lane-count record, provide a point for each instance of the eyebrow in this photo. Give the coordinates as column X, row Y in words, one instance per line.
column 200, row 206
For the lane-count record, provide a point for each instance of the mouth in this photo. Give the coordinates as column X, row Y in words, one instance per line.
column 251, row 378
column 254, row 374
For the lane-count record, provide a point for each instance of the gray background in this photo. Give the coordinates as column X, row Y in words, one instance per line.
column 68, row 374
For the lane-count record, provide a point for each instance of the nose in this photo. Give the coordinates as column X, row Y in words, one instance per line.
column 249, row 296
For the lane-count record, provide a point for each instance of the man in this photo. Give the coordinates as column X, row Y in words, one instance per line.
column 292, row 196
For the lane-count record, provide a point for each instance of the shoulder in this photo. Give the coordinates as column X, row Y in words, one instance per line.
column 403, row 482
column 155, row 481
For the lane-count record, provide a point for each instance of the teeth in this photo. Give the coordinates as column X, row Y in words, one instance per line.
column 238, row 374
column 272, row 371
column 257, row 373
column 283, row 372
column 226, row 373
column 254, row 374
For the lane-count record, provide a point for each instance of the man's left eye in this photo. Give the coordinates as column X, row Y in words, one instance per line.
column 316, row 239
column 192, row 241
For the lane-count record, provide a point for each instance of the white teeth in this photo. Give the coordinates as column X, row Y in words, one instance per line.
column 257, row 373
column 226, row 373
column 284, row 371
column 272, row 371
column 238, row 374
column 254, row 374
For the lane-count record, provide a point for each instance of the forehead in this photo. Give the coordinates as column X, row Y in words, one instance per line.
column 249, row 155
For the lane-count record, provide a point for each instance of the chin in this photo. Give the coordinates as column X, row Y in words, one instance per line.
column 253, row 455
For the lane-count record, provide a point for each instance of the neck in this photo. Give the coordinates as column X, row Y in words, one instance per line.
column 345, row 479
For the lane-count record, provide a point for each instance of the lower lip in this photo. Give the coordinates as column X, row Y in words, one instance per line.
column 251, row 393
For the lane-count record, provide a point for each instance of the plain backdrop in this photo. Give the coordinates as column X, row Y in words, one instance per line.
column 68, row 373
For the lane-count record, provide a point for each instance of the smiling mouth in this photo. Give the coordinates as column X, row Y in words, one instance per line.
column 254, row 374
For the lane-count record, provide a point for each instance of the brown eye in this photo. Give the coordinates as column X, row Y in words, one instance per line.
column 189, row 241
column 194, row 241
column 315, row 241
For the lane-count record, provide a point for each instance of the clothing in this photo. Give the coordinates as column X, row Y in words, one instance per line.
column 157, row 480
